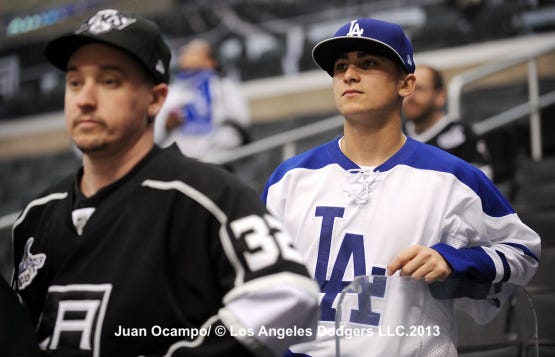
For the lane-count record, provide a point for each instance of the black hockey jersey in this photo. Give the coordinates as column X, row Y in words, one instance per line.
column 178, row 258
column 17, row 337
column 454, row 137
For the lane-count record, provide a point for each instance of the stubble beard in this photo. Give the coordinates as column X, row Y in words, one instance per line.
column 86, row 140
column 423, row 116
column 90, row 149
column 89, row 145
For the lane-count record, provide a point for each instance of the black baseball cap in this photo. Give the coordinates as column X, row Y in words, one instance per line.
column 373, row 36
column 137, row 36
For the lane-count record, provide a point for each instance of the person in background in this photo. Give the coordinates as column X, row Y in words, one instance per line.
column 428, row 229
column 143, row 251
column 426, row 121
column 205, row 113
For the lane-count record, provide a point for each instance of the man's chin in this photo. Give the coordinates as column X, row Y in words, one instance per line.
column 90, row 148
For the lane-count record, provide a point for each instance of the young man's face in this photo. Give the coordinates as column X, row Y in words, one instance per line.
column 107, row 100
column 366, row 84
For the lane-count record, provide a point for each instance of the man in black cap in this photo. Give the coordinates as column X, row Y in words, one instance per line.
column 144, row 251
column 415, row 222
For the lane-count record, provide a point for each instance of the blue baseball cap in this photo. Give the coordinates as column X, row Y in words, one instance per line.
column 369, row 35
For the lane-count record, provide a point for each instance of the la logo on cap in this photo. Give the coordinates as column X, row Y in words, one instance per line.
column 106, row 20
column 355, row 30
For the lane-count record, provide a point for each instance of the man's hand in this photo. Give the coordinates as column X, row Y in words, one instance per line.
column 420, row 262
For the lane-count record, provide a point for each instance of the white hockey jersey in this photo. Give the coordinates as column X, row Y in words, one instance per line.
column 350, row 221
column 216, row 113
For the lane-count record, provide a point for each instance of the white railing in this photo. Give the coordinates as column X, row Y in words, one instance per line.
column 531, row 108
column 287, row 140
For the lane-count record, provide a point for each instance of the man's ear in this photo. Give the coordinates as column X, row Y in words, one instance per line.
column 408, row 84
column 159, row 94
column 441, row 99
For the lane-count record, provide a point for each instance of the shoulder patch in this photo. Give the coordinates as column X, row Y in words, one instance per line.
column 29, row 265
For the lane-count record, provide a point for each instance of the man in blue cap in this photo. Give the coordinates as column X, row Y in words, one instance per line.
column 425, row 227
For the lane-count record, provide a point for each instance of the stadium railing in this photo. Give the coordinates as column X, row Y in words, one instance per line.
column 531, row 108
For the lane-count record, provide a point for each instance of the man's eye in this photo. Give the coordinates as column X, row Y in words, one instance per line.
column 369, row 63
column 72, row 83
column 340, row 67
column 110, row 82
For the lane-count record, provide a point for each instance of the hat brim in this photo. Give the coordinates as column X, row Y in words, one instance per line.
column 60, row 50
column 327, row 51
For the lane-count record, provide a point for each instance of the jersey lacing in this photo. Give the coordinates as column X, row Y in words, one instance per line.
column 359, row 185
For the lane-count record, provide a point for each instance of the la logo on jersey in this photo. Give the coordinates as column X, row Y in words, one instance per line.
column 355, row 30
column 106, row 20
column 332, row 283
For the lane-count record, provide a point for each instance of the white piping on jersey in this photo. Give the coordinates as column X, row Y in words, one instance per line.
column 429, row 133
column 359, row 185
column 39, row 202
column 196, row 342
column 204, row 201
column 499, row 270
